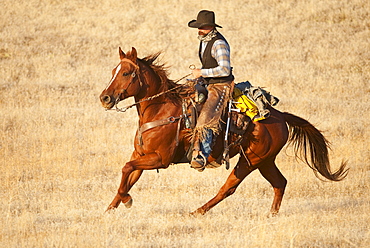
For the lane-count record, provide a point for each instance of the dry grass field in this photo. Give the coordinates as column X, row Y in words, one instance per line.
column 61, row 154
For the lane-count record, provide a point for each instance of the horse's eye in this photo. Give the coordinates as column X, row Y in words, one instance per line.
column 125, row 74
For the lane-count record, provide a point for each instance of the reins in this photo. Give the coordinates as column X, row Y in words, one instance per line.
column 124, row 109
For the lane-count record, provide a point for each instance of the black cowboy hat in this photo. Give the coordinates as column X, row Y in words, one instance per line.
column 204, row 18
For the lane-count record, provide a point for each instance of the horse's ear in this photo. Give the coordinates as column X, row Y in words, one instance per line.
column 122, row 55
column 133, row 55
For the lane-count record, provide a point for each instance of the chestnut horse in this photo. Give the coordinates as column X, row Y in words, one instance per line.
column 158, row 145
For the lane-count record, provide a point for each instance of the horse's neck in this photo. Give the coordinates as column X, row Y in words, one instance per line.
column 157, row 108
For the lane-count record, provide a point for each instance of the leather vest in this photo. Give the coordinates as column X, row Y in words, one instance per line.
column 209, row 62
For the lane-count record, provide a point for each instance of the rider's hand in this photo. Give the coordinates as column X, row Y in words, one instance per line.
column 197, row 73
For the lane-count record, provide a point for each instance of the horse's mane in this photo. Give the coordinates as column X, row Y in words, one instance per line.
column 161, row 70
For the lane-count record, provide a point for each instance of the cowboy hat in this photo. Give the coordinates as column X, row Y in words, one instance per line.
column 204, row 18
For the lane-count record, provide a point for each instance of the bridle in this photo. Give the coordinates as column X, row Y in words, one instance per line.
column 135, row 73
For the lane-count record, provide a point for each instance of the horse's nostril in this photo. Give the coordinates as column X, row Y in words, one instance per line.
column 105, row 99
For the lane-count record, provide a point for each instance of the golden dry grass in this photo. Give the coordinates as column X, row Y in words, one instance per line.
column 61, row 153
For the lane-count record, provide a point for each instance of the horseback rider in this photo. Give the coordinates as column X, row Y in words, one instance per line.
column 216, row 74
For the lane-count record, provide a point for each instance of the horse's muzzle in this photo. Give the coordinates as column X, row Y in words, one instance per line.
column 107, row 101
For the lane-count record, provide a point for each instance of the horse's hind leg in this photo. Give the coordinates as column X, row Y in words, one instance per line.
column 235, row 178
column 272, row 174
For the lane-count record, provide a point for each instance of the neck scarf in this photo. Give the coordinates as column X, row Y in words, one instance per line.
column 208, row 37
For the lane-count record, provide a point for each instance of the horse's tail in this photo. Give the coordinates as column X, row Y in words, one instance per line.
column 312, row 147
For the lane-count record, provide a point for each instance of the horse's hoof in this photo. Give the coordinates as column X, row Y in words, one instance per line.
column 198, row 212
column 193, row 214
column 109, row 209
column 272, row 214
column 128, row 204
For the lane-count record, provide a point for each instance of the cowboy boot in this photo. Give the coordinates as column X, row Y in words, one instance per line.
column 198, row 160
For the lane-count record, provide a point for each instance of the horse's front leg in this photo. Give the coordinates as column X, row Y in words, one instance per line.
column 127, row 200
column 131, row 172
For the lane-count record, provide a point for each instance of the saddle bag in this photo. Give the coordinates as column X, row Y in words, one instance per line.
column 253, row 101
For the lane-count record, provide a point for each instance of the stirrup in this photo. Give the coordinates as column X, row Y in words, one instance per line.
column 198, row 161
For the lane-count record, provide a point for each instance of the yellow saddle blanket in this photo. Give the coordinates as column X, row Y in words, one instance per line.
column 246, row 105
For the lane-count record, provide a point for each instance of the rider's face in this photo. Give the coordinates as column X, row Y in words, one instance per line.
column 205, row 30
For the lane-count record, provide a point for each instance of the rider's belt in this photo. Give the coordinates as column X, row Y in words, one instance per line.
column 218, row 80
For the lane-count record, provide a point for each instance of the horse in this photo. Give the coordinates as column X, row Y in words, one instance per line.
column 162, row 138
